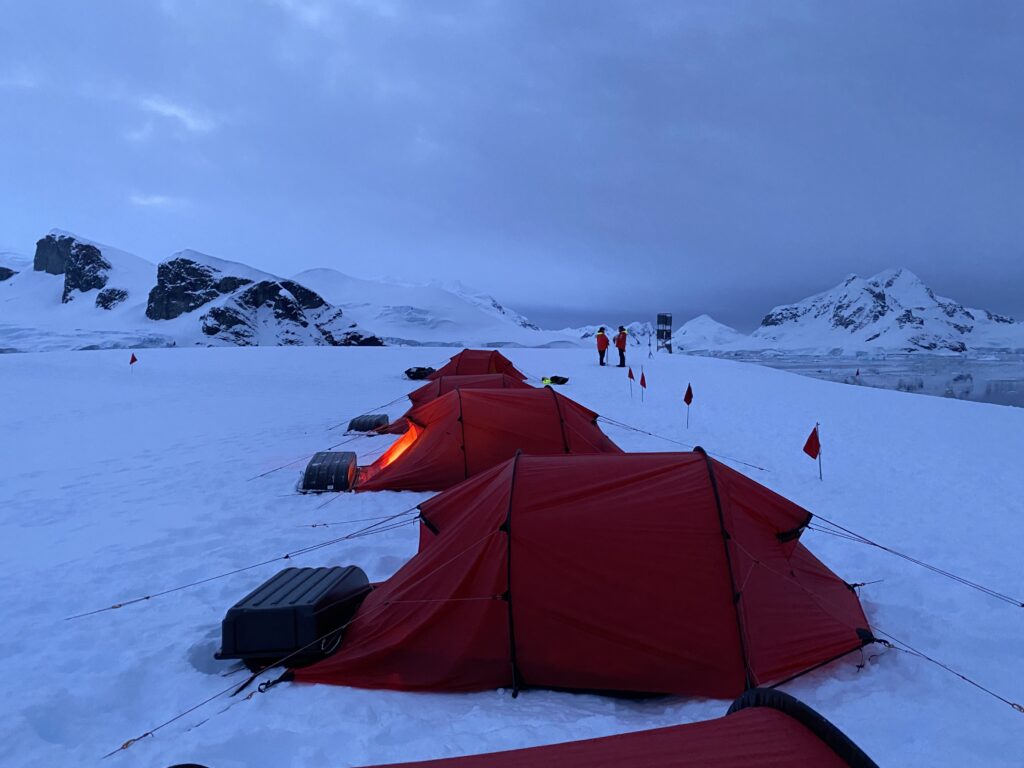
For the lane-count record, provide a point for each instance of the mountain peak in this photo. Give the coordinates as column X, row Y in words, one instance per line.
column 893, row 309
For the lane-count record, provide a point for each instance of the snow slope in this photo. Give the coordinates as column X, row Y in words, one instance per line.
column 118, row 483
column 704, row 333
column 429, row 314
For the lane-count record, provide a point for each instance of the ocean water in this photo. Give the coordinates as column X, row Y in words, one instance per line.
column 998, row 379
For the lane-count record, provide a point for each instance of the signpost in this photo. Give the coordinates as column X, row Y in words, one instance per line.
column 664, row 331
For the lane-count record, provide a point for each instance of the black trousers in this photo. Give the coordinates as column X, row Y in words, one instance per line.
column 622, row 358
column 600, row 355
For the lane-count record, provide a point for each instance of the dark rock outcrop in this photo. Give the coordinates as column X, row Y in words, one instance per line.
column 306, row 298
column 85, row 270
column 245, row 312
column 183, row 285
column 52, row 253
column 6, row 274
column 82, row 264
column 109, row 298
column 281, row 312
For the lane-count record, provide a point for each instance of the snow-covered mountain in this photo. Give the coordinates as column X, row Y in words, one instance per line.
column 434, row 314
column 704, row 333
column 80, row 294
column 893, row 311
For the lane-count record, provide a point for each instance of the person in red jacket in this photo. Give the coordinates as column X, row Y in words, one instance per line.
column 620, row 344
column 602, row 344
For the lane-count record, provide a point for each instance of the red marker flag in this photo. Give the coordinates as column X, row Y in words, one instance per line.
column 134, row 359
column 630, row 374
column 688, row 397
column 643, row 380
column 813, row 446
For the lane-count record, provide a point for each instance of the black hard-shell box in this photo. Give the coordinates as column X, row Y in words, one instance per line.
column 299, row 613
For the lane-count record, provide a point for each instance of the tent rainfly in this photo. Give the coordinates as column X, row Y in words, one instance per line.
column 655, row 573
column 764, row 728
column 445, row 384
column 464, row 432
column 473, row 362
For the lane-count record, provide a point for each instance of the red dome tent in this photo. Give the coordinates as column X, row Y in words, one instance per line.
column 764, row 728
column 661, row 573
column 464, row 432
column 445, row 384
column 473, row 362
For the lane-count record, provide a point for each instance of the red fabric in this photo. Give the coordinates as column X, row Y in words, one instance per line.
column 688, row 397
column 134, row 359
column 620, row 340
column 813, row 446
column 602, row 342
column 762, row 737
column 445, row 384
column 434, row 389
column 619, row 581
column 472, row 362
column 630, row 374
column 464, row 432
column 643, row 380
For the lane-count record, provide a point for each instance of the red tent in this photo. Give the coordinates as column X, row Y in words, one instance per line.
column 661, row 572
column 472, row 362
column 464, row 432
column 445, row 384
column 764, row 728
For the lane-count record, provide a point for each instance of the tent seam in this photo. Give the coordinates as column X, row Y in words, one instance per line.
column 726, row 536
column 513, row 657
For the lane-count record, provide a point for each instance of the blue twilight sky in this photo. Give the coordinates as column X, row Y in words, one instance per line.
column 581, row 160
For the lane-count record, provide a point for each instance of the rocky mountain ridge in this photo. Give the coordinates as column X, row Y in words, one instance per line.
column 112, row 298
column 892, row 311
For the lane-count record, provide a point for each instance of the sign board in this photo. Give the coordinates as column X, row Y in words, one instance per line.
column 663, row 331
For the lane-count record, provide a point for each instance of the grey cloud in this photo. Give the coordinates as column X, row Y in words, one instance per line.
column 602, row 158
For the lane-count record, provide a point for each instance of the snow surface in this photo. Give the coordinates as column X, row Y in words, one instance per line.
column 14, row 259
column 116, row 483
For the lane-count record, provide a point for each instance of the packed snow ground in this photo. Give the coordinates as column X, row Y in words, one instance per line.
column 118, row 483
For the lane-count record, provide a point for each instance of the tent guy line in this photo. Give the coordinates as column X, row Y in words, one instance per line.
column 624, row 425
column 307, row 456
column 233, row 687
column 846, row 533
column 369, row 530
column 911, row 651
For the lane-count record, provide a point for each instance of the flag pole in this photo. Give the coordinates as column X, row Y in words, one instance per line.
column 817, row 427
column 687, row 415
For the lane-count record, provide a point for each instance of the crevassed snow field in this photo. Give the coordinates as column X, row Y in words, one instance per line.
column 115, row 484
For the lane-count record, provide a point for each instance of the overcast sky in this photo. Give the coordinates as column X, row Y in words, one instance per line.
column 582, row 161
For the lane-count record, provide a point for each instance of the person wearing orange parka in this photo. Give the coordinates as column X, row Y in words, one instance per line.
column 602, row 344
column 620, row 344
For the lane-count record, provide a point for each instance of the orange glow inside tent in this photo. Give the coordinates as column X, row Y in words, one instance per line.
column 466, row 431
column 400, row 447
